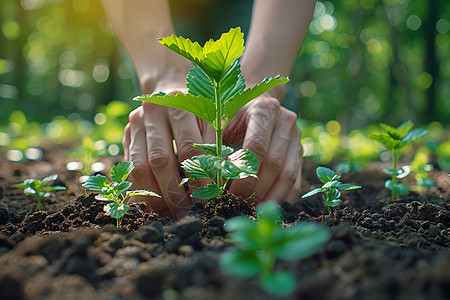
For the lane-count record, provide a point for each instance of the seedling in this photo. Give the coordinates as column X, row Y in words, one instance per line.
column 396, row 139
column 259, row 243
column 332, row 187
column 36, row 187
column 420, row 167
column 216, row 91
column 117, row 191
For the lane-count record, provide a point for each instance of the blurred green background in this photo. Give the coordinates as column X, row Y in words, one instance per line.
column 363, row 61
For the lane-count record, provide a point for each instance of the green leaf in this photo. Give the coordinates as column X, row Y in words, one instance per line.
column 142, row 193
column 425, row 182
column 332, row 202
column 414, row 135
column 348, row 186
column 396, row 187
column 96, row 183
column 207, row 192
column 122, row 187
column 115, row 210
column 48, row 179
column 313, row 192
column 281, row 283
column 232, row 83
column 220, row 54
column 403, row 128
column 391, row 131
column 211, row 149
column 269, row 210
column 239, row 223
column 199, row 84
column 388, row 141
column 231, row 107
column 201, row 166
column 20, row 185
column 304, row 239
column 241, row 164
column 325, row 174
column 185, row 47
column 54, row 188
column 243, row 264
column 120, row 172
column 333, row 194
column 200, row 106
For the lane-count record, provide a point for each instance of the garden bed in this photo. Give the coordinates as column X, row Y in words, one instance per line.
column 379, row 249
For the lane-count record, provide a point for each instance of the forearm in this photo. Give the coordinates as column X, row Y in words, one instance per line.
column 138, row 25
column 277, row 30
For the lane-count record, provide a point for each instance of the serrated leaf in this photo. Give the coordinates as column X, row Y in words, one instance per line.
column 220, row 54
column 115, row 210
column 199, row 84
column 281, row 283
column 96, row 183
column 211, row 149
column 325, row 174
column 120, row 172
column 231, row 107
column 185, row 47
column 232, row 83
column 200, row 106
column 240, row 263
column 122, row 187
column 414, row 135
column 313, row 192
column 304, row 239
column 201, row 166
column 240, row 164
column 207, row 192
column 142, row 193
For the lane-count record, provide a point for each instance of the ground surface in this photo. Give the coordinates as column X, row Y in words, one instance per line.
column 379, row 249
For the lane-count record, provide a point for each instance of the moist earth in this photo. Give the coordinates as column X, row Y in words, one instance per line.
column 379, row 249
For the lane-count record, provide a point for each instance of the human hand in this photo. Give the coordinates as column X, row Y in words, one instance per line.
column 271, row 132
column 148, row 144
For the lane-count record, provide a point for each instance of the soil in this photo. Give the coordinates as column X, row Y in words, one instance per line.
column 379, row 249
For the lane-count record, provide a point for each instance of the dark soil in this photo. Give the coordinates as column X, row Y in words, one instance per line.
column 379, row 249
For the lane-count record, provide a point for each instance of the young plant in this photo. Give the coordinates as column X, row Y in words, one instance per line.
column 259, row 243
column 332, row 187
column 117, row 191
column 216, row 91
column 420, row 167
column 36, row 187
column 396, row 139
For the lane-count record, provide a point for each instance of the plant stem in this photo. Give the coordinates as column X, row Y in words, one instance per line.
column 218, row 132
column 38, row 200
column 394, row 166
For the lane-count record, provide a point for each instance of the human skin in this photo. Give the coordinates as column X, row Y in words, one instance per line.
column 276, row 32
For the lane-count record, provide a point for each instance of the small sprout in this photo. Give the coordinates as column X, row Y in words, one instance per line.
column 36, row 187
column 396, row 139
column 421, row 167
column 117, row 191
column 331, row 188
column 260, row 243
column 216, row 91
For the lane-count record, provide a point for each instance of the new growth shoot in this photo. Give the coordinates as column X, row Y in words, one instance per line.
column 216, row 91
column 36, row 187
column 396, row 139
column 117, row 191
column 332, row 187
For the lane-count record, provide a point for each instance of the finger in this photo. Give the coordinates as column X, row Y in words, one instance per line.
column 280, row 142
column 141, row 176
column 260, row 126
column 126, row 140
column 186, row 133
column 286, row 186
column 161, row 158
